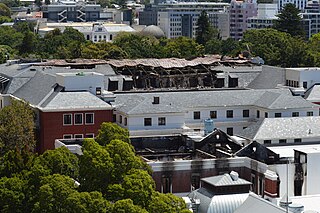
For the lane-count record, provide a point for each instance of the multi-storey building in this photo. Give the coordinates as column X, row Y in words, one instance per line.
column 266, row 15
column 311, row 17
column 231, row 111
column 92, row 31
column 180, row 18
column 239, row 12
column 300, row 4
column 64, row 11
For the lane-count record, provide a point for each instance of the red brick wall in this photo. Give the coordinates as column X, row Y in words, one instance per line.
column 271, row 187
column 51, row 126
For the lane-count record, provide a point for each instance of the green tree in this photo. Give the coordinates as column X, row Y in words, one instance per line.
column 289, row 21
column 10, row 37
column 111, row 131
column 16, row 127
column 276, row 48
column 205, row 31
column 95, row 167
column 59, row 161
column 167, row 203
column 103, row 50
column 183, row 47
column 4, row 10
column 213, row 46
column 12, row 195
column 29, row 43
column 138, row 46
column 127, row 206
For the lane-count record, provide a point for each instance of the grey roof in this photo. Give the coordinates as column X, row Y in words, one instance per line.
column 37, row 88
column 283, row 128
column 74, row 100
column 180, row 101
column 269, row 78
column 210, row 203
column 313, row 94
column 254, row 204
column 224, row 180
column 153, row 31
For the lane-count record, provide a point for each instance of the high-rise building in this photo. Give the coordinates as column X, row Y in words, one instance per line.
column 239, row 12
column 266, row 15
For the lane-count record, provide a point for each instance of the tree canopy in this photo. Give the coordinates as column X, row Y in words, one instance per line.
column 289, row 21
column 106, row 178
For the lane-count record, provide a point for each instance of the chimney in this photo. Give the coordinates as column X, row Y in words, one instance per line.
column 156, row 100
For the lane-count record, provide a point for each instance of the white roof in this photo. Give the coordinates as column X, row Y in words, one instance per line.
column 288, row 151
column 254, row 204
column 310, row 202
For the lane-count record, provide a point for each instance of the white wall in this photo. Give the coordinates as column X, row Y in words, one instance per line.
column 313, row 174
column 87, row 81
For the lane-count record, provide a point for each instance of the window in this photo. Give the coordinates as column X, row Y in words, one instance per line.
column 89, row 135
column 258, row 114
column 230, row 131
column 125, row 121
column 147, row 122
column 67, row 119
column 282, row 141
column 277, row 115
column 295, row 114
column 213, row 114
column 110, row 37
column 78, row 119
column 120, row 119
column 162, row 121
column 266, row 115
column 267, row 141
column 78, row 136
column 98, row 90
column 305, row 84
column 196, row 115
column 229, row 113
column 195, row 181
column 245, row 113
column 89, row 118
column 297, row 140
column 166, row 184
column 309, row 113
column 67, row 136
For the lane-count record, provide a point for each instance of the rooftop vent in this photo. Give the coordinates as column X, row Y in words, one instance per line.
column 234, row 175
column 156, row 100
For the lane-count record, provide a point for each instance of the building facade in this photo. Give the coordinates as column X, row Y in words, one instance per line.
column 265, row 18
column 239, row 12
column 65, row 11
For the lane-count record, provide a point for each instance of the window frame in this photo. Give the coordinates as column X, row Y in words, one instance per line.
column 196, row 115
column 282, row 141
column 229, row 113
column 213, row 114
column 276, row 114
column 89, row 134
column 75, row 136
column 245, row 113
column 89, row 113
column 67, row 124
column 146, row 122
column 74, row 117
column 310, row 113
column 160, row 121
column 67, row 136
column 295, row 114
column 228, row 130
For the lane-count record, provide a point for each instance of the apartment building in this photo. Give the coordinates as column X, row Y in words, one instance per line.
column 180, row 18
column 232, row 111
column 265, row 17
column 311, row 17
column 239, row 12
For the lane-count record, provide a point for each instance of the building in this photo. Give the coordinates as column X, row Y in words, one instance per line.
column 221, row 193
column 300, row 4
column 66, row 11
column 311, row 17
column 284, row 131
column 180, row 18
column 68, row 103
column 265, row 17
column 160, row 113
column 92, row 31
column 239, row 12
